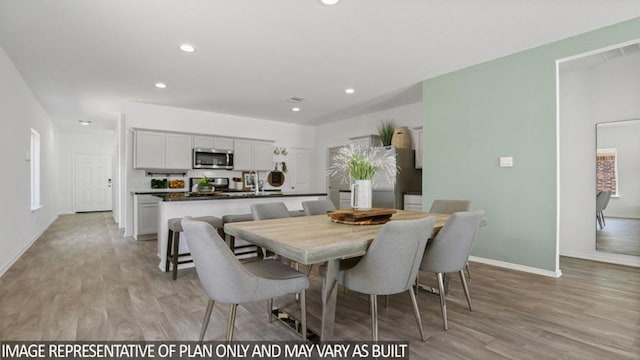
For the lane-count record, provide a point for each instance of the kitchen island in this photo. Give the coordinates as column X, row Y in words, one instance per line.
column 177, row 205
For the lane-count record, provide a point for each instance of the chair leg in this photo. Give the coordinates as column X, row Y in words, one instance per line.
column 602, row 217
column 443, row 303
column 169, row 257
column 231, row 322
column 465, row 288
column 373, row 300
column 207, row 316
column 466, row 266
column 417, row 282
column 303, row 313
column 386, row 301
column 270, row 310
column 417, row 312
column 176, row 249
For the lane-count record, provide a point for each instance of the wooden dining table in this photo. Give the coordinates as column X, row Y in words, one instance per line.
column 316, row 239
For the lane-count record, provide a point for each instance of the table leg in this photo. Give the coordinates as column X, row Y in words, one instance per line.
column 329, row 297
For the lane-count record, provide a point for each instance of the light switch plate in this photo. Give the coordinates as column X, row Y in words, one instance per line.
column 506, row 161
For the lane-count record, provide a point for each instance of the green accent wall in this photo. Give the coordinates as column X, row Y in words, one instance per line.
column 504, row 107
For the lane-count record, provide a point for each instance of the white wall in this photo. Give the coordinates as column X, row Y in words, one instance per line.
column 88, row 143
column 625, row 137
column 338, row 133
column 587, row 96
column 183, row 120
column 20, row 111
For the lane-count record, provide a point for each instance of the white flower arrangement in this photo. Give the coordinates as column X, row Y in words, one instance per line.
column 363, row 163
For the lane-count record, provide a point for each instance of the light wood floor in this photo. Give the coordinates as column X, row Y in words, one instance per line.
column 620, row 236
column 83, row 280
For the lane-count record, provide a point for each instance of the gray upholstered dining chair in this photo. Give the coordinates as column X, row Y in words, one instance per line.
column 225, row 279
column 450, row 207
column 449, row 251
column 390, row 265
column 268, row 211
column 602, row 200
column 318, row 207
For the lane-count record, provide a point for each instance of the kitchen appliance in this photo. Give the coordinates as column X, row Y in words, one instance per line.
column 387, row 193
column 212, row 159
column 218, row 183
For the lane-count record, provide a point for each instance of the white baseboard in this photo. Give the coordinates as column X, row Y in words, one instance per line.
column 518, row 267
column 13, row 261
column 611, row 258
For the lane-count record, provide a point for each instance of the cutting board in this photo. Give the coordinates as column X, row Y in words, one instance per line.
column 373, row 216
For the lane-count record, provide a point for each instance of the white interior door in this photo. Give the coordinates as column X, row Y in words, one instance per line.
column 300, row 170
column 92, row 182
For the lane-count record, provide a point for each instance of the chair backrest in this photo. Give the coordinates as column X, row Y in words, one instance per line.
column 601, row 200
column 266, row 211
column 391, row 263
column 222, row 276
column 607, row 197
column 450, row 249
column 449, row 206
column 318, row 207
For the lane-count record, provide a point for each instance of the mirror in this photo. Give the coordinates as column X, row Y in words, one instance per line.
column 618, row 172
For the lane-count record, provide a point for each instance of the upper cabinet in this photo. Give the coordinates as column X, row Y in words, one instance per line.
column 177, row 151
column 366, row 141
column 212, row 142
column 418, row 131
column 253, row 155
column 157, row 150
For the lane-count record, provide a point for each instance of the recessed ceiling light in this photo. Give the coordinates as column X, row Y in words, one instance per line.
column 329, row 2
column 160, row 85
column 295, row 109
column 349, row 91
column 187, row 48
column 84, row 122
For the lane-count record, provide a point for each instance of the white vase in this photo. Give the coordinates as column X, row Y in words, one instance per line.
column 361, row 194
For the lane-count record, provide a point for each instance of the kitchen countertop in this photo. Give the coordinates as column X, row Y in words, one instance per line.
column 155, row 191
column 184, row 196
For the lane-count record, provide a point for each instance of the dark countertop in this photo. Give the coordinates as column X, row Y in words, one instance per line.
column 230, row 196
column 413, row 193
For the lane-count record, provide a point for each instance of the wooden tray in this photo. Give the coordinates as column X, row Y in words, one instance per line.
column 373, row 216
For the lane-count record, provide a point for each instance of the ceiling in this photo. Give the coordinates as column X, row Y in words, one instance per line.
column 83, row 59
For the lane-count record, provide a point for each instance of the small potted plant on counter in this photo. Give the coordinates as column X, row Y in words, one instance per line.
column 204, row 185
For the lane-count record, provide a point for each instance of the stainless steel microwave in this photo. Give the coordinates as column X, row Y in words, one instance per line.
column 212, row 159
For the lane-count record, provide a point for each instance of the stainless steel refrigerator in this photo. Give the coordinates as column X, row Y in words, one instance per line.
column 390, row 194
column 387, row 193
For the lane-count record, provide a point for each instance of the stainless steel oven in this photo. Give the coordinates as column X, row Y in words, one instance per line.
column 212, row 159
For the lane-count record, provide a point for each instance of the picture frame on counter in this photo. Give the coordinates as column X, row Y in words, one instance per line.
column 249, row 180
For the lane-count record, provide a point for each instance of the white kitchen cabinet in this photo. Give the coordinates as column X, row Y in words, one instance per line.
column 418, row 147
column 149, row 150
column 212, row 142
column 158, row 150
column 413, row 202
column 366, row 141
column 145, row 217
column 177, row 151
column 253, row 155
column 345, row 199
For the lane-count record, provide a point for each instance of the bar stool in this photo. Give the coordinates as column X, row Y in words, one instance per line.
column 173, row 241
column 241, row 249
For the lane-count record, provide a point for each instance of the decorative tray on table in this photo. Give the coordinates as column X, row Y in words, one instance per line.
column 373, row 216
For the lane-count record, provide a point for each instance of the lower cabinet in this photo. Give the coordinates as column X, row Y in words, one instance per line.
column 146, row 217
column 413, row 202
column 345, row 200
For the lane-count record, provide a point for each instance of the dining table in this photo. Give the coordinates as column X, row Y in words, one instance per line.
column 309, row 240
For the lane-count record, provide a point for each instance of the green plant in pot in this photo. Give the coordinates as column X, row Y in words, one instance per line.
column 385, row 131
column 204, row 185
